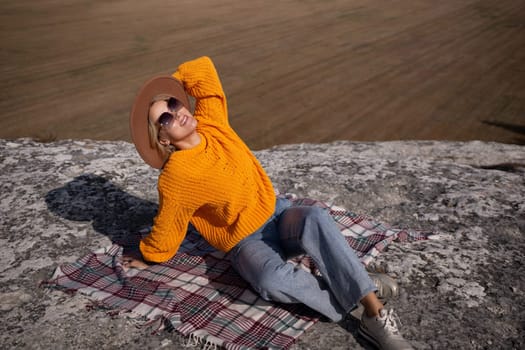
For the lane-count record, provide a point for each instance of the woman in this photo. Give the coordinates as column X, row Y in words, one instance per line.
column 211, row 179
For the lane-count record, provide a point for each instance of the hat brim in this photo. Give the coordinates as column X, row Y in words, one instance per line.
column 138, row 119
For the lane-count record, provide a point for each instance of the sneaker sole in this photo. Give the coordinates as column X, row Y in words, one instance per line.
column 362, row 332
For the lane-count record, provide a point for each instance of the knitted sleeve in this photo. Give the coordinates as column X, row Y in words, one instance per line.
column 169, row 229
column 201, row 81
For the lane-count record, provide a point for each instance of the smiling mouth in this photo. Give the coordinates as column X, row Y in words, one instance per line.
column 183, row 120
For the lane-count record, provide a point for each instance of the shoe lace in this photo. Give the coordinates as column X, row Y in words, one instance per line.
column 391, row 321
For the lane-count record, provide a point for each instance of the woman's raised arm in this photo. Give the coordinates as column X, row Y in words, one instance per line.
column 201, row 81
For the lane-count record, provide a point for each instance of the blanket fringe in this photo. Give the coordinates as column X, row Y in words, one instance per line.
column 195, row 341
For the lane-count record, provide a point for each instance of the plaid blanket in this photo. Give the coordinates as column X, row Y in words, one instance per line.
column 200, row 296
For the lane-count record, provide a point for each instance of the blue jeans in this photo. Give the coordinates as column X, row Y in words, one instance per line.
column 261, row 260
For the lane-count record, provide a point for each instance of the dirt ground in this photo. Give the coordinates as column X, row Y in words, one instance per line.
column 294, row 70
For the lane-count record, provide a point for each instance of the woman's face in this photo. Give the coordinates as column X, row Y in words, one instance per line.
column 176, row 124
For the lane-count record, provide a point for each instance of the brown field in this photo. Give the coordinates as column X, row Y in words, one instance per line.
column 294, row 70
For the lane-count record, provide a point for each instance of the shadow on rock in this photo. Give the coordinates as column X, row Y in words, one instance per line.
column 113, row 212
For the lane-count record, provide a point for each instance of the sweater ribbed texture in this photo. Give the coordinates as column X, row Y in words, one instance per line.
column 219, row 186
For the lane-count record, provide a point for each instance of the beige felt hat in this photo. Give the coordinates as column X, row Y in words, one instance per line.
column 138, row 119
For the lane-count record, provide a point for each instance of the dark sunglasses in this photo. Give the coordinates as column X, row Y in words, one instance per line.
column 166, row 117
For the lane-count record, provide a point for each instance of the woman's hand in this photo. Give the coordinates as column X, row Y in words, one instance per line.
column 133, row 260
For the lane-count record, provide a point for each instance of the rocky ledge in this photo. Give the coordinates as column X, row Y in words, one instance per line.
column 464, row 289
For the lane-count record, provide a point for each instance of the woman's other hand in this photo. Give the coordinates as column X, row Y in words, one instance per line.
column 133, row 260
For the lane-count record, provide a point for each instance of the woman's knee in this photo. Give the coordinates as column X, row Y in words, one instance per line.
column 295, row 218
column 315, row 220
column 317, row 214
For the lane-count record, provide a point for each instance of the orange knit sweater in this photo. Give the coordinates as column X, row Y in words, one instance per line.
column 218, row 186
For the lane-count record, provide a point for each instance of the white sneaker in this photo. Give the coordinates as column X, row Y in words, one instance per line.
column 387, row 287
column 382, row 331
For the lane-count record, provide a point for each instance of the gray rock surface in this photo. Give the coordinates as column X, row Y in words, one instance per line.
column 462, row 290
